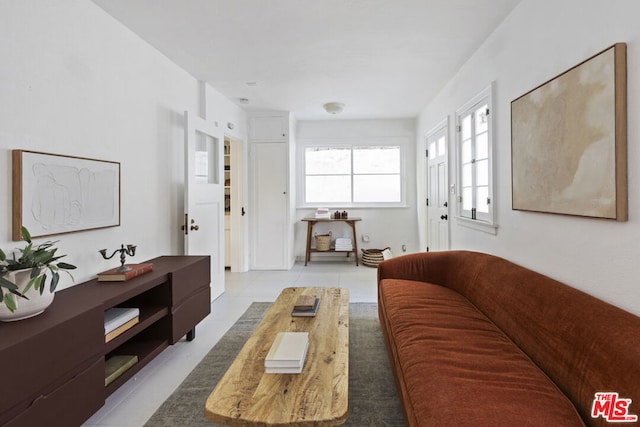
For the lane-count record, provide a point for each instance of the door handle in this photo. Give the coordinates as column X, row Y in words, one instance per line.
column 242, row 211
column 445, row 204
column 194, row 227
column 445, row 217
column 185, row 226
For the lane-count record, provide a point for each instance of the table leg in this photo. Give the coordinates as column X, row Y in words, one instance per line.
column 355, row 241
column 307, row 254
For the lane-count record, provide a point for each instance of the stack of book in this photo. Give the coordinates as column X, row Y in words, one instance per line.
column 343, row 244
column 306, row 306
column 287, row 353
column 113, row 275
column 119, row 319
column 116, row 366
column 323, row 213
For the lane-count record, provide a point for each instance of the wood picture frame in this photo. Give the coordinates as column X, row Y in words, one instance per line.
column 569, row 141
column 58, row 194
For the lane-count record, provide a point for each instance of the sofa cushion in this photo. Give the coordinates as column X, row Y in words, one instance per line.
column 455, row 367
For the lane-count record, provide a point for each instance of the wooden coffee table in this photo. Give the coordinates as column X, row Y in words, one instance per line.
column 246, row 396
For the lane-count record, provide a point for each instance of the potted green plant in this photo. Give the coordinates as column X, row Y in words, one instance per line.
column 23, row 278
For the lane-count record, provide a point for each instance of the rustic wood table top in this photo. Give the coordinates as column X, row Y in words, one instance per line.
column 246, row 396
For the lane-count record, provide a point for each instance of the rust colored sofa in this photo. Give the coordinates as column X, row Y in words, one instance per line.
column 475, row 340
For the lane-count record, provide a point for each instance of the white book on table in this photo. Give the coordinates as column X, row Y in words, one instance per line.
column 283, row 370
column 118, row 316
column 289, row 349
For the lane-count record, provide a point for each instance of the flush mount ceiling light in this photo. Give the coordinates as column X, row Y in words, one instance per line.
column 333, row 107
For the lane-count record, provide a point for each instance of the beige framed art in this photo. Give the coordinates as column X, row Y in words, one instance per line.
column 56, row 194
column 569, row 141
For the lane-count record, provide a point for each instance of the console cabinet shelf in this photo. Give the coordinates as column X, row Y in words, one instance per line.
column 59, row 356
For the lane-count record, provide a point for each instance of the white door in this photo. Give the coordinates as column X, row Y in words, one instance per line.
column 204, row 197
column 437, row 189
column 269, row 214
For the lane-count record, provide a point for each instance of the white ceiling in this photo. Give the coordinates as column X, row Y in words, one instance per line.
column 382, row 58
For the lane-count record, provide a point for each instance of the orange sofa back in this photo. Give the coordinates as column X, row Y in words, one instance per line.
column 584, row 345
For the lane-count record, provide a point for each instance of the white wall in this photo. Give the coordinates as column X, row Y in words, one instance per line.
column 538, row 41
column 74, row 81
column 391, row 227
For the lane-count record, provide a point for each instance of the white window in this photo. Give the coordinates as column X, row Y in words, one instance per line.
column 475, row 163
column 352, row 175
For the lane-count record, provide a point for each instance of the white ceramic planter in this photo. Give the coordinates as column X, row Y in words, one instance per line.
column 36, row 303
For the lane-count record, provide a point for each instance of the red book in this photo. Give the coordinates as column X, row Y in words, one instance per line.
column 113, row 275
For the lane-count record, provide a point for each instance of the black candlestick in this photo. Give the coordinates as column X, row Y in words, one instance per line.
column 129, row 250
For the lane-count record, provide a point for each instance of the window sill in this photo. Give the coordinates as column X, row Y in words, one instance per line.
column 350, row 206
column 478, row 225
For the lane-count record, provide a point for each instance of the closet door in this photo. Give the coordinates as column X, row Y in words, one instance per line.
column 269, row 170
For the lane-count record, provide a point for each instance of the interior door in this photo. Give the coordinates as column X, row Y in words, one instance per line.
column 269, row 208
column 203, row 226
column 437, row 189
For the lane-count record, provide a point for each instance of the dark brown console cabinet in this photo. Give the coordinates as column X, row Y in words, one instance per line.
column 53, row 365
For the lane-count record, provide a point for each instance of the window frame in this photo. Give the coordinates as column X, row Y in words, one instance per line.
column 303, row 144
column 482, row 221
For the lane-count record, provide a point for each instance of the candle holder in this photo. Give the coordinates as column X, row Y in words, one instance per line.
column 129, row 250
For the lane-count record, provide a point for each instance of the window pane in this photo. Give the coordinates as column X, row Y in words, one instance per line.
column 376, row 188
column 327, row 160
column 482, row 146
column 482, row 172
column 466, row 175
column 432, row 150
column 376, row 160
column 482, row 193
column 467, row 199
column 328, row 188
column 466, row 151
column 466, row 127
column 482, row 120
column 442, row 147
column 205, row 164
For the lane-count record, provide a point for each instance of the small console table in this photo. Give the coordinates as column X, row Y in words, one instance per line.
column 351, row 222
column 54, row 363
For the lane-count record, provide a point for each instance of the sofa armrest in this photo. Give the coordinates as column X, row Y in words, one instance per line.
column 453, row 269
column 429, row 267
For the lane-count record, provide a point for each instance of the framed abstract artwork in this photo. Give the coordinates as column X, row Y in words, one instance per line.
column 568, row 141
column 56, row 194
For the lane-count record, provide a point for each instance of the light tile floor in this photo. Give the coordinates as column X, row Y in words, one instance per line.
column 134, row 403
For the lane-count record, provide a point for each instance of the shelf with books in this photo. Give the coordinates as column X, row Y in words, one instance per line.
column 148, row 317
column 147, row 345
column 117, row 365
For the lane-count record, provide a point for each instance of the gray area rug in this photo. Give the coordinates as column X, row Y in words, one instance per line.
column 373, row 400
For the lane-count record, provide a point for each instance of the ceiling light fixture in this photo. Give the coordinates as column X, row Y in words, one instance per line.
column 333, row 107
